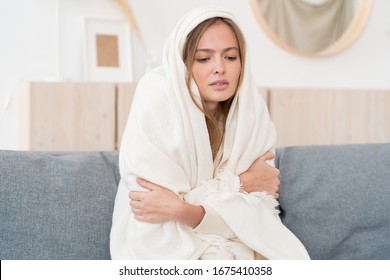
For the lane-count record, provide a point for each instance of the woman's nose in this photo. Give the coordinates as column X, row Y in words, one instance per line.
column 219, row 69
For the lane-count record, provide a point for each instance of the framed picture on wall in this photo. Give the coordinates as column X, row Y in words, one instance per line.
column 107, row 50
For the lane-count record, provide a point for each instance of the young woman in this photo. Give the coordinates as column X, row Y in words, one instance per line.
column 196, row 161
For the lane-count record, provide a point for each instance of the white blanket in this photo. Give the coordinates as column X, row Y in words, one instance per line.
column 166, row 142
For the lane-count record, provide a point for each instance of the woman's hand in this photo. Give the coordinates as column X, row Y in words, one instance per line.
column 160, row 205
column 261, row 176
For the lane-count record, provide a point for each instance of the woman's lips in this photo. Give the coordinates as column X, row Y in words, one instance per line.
column 219, row 84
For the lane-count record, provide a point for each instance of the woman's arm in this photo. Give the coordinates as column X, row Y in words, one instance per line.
column 161, row 205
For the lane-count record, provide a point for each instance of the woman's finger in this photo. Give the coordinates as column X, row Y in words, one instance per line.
column 268, row 156
column 147, row 185
column 135, row 204
column 136, row 195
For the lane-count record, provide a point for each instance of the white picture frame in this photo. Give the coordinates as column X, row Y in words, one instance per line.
column 107, row 50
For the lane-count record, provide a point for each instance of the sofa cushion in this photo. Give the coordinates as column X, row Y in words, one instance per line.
column 56, row 205
column 336, row 199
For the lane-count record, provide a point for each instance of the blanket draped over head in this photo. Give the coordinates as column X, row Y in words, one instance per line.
column 166, row 141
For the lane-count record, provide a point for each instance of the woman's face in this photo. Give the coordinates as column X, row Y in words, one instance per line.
column 217, row 65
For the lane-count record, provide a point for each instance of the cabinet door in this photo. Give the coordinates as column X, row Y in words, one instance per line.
column 264, row 92
column 67, row 116
column 321, row 116
column 124, row 99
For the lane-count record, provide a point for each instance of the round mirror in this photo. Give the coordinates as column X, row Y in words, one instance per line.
column 312, row 27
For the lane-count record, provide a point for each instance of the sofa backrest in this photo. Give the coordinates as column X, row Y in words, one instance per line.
column 59, row 205
column 336, row 199
column 56, row 205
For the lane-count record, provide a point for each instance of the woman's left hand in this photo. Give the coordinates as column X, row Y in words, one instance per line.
column 158, row 205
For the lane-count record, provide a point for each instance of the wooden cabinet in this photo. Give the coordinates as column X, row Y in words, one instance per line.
column 125, row 94
column 73, row 116
column 326, row 117
column 93, row 116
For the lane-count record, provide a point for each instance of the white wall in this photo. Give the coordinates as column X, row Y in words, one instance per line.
column 29, row 41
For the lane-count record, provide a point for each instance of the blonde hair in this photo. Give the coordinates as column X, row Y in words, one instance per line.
column 216, row 132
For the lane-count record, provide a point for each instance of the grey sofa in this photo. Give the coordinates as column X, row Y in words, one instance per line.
column 336, row 199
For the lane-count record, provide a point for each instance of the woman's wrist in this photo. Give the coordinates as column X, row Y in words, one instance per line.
column 243, row 181
column 190, row 214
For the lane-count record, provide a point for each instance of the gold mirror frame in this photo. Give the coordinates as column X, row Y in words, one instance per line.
column 350, row 35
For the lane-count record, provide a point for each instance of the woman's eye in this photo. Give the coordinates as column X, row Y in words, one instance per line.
column 231, row 58
column 202, row 60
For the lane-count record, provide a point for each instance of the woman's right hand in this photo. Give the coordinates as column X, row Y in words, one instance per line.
column 159, row 205
column 261, row 177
